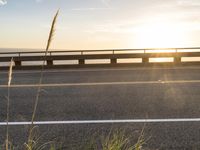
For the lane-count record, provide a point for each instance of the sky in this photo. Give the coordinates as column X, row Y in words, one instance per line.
column 100, row 24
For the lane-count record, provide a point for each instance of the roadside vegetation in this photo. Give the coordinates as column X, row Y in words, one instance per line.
column 117, row 139
column 114, row 140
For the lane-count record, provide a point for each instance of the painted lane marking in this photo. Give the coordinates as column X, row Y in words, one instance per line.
column 102, row 69
column 103, row 121
column 103, row 83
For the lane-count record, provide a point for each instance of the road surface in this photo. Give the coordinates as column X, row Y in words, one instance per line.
column 164, row 100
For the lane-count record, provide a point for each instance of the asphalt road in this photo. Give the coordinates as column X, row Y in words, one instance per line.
column 108, row 94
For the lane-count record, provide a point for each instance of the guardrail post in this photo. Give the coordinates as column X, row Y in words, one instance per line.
column 113, row 60
column 81, row 61
column 177, row 59
column 145, row 60
column 18, row 62
column 49, row 62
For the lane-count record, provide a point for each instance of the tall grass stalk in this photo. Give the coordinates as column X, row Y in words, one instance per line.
column 140, row 142
column 51, row 34
column 116, row 141
column 8, row 102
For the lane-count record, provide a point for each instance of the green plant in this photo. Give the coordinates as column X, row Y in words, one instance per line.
column 140, row 142
column 115, row 140
column 34, row 142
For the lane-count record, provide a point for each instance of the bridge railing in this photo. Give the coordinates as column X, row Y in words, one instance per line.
column 112, row 51
column 113, row 55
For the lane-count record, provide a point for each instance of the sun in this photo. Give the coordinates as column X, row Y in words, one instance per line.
column 160, row 35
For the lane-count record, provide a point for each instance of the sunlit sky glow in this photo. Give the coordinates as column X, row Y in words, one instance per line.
column 100, row 24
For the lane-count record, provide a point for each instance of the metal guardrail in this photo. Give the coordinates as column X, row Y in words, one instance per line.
column 112, row 54
column 113, row 51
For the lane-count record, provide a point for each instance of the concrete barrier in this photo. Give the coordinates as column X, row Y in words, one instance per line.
column 113, row 55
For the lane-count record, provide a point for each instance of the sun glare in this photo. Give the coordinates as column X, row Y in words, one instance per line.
column 160, row 35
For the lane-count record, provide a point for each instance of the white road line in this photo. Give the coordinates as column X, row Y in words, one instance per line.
column 103, row 83
column 103, row 121
column 101, row 69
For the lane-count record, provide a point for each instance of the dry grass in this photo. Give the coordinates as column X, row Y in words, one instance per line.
column 51, row 34
column 30, row 142
column 7, row 143
column 113, row 141
column 34, row 142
